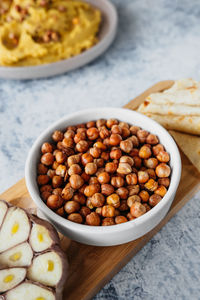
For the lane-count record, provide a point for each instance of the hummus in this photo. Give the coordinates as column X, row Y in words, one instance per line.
column 34, row 32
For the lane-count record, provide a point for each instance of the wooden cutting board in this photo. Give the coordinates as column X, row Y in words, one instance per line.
column 92, row 267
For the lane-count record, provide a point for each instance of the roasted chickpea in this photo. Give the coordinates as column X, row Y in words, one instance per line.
column 74, row 169
column 90, row 168
column 111, row 122
column 95, row 152
column 60, row 170
column 104, row 132
column 89, row 203
column 122, row 192
column 57, row 136
column 60, row 157
column 47, row 159
column 108, row 211
column 145, row 152
column 156, row 149
column 130, row 217
column 98, row 210
column 98, row 200
column 85, row 177
column 134, row 152
column 120, row 219
column 154, row 199
column 151, row 185
column 75, row 217
column 107, row 189
column 107, row 142
column 116, row 129
column 151, row 163
column 82, row 146
column 131, row 179
column 80, row 136
column 133, row 189
column 46, row 188
column 60, row 211
column 80, row 198
column 90, row 124
column 163, row 156
column 57, row 181
column 137, row 209
column 45, row 195
column 76, row 181
column 137, row 162
column 57, row 191
column 92, row 133
column 123, row 206
column 163, row 170
column 42, row 179
column 42, row 169
column 152, row 173
column 152, row 139
column 54, row 202
column 110, row 167
column 91, row 189
column 124, row 168
column 99, row 162
column 100, row 123
column 113, row 200
column 142, row 135
column 148, row 208
column 100, row 145
column 115, row 139
column 125, row 132
column 84, row 211
column 103, row 177
column 133, row 199
column 105, row 155
column 127, row 159
column 115, row 154
column 144, row 195
column 71, row 207
column 161, row 190
column 164, row 181
column 73, row 159
column 69, row 134
column 46, row 147
column 86, row 158
column 68, row 142
column 93, row 180
column 134, row 129
column 108, row 222
column 117, row 181
column 93, row 219
column 126, row 146
column 143, row 176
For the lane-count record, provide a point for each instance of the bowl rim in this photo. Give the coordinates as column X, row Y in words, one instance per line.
column 117, row 227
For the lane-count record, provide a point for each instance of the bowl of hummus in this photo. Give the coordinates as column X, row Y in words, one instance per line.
column 40, row 38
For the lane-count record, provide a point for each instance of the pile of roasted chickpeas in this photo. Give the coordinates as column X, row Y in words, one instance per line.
column 104, row 172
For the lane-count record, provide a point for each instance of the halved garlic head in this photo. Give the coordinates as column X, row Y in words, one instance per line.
column 15, row 228
column 30, row 291
column 46, row 268
column 19, row 256
column 11, row 277
column 3, row 210
column 40, row 238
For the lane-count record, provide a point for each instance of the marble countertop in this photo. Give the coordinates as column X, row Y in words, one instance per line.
column 156, row 40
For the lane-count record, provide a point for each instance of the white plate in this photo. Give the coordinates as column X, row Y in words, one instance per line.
column 106, row 37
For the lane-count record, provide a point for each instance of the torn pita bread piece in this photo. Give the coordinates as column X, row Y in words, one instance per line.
column 190, row 145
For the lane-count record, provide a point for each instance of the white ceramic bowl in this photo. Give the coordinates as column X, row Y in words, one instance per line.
column 116, row 234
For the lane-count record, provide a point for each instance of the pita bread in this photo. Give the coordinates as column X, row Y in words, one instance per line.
column 190, row 145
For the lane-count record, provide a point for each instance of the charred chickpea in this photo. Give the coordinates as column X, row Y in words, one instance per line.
column 142, row 135
column 163, row 170
column 90, row 168
column 154, row 200
column 161, row 190
column 120, row 219
column 111, row 122
column 137, row 209
column 104, row 132
column 163, row 156
column 151, row 185
column 110, row 167
column 108, row 221
column 103, row 177
column 84, row 211
column 54, row 202
column 95, row 152
column 144, row 195
column 91, row 189
column 143, row 176
column 115, row 154
column 107, row 189
column 133, row 199
column 164, row 181
column 47, row 159
column 74, row 169
column 113, row 200
column 57, row 181
column 123, row 206
column 60, row 157
column 80, row 198
column 42, row 179
column 80, row 136
column 108, row 211
column 117, row 181
column 98, row 200
column 145, row 152
column 133, row 189
column 100, row 123
column 82, row 146
column 156, row 149
column 61, row 170
column 152, row 139
column 75, row 217
column 115, row 139
column 151, row 163
column 131, row 179
column 127, row 159
column 46, row 147
column 57, row 136
column 76, row 181
column 42, row 169
column 134, row 129
column 92, row 133
column 71, row 206
column 126, row 146
column 93, row 219
column 69, row 134
column 122, row 192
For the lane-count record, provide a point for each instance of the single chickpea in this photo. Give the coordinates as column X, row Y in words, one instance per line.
column 74, row 128
column 85, row 177
column 108, row 211
column 47, row 159
column 60, row 211
column 76, row 181
column 142, row 135
column 100, row 145
column 69, row 134
column 104, row 132
column 115, row 154
column 91, row 189
column 152, row 173
column 57, row 136
column 57, row 191
column 54, row 202
column 120, row 219
column 75, row 217
column 125, row 132
column 132, row 199
column 108, row 221
column 93, row 219
column 156, row 149
column 100, row 123
column 161, row 190
column 57, row 181
column 113, row 200
column 90, row 168
column 86, row 158
column 134, row 129
column 46, row 147
column 116, row 129
column 82, row 146
column 148, row 208
column 143, row 176
column 90, row 124
column 89, row 203
column 164, row 181
column 73, row 159
column 111, row 122
column 93, row 180
column 144, row 195
column 107, row 189
column 123, row 206
column 130, row 217
column 80, row 198
column 137, row 162
column 115, row 139
column 98, row 210
column 92, row 133
column 59, row 146
column 106, row 142
column 133, row 189
column 60, row 157
column 151, row 185
column 84, row 211
column 134, row 152
column 122, row 192
column 68, row 142
column 154, row 200
column 131, row 179
column 80, row 136
column 126, row 146
column 105, row 155
column 123, row 125
column 151, row 163
column 103, row 177
column 45, row 195
column 117, row 181
column 110, row 167
column 163, row 170
column 144, row 152
column 74, row 169
column 61, row 170
column 42, row 169
column 98, row 200
column 134, row 140
column 71, row 207
column 95, row 152
column 42, row 179
column 137, row 209
column 124, row 168
column 163, row 156
column 99, row 162
column 127, row 159
column 152, row 139
column 46, row 188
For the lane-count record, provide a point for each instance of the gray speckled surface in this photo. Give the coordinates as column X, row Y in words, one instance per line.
column 156, row 40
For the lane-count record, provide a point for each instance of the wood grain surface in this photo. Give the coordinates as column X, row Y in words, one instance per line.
column 92, row 267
